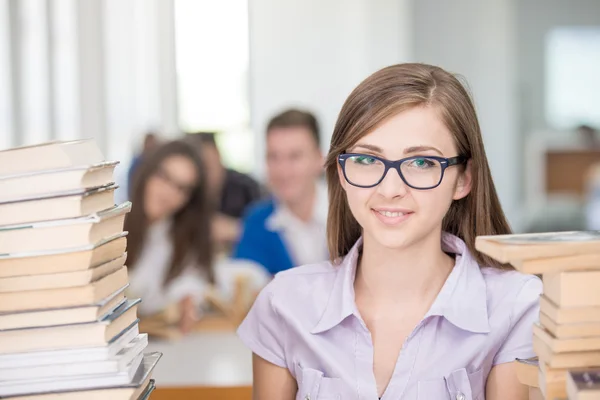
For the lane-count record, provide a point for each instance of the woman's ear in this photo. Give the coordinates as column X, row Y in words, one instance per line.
column 464, row 182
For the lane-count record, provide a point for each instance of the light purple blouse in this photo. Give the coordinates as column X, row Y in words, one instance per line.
column 306, row 320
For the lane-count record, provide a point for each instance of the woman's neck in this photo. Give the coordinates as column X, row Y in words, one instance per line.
column 388, row 276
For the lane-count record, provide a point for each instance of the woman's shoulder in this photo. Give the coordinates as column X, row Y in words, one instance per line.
column 502, row 282
column 303, row 280
column 510, row 292
column 301, row 292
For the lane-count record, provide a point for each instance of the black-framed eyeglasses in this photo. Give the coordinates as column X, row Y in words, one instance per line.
column 182, row 188
column 418, row 172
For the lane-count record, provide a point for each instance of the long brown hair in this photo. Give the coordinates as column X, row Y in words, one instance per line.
column 190, row 230
column 387, row 93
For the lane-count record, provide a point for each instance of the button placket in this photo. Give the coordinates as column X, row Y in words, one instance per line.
column 404, row 365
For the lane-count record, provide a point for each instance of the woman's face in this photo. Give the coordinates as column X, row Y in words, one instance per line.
column 392, row 213
column 170, row 187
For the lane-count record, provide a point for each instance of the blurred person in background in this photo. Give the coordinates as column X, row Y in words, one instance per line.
column 124, row 173
column 231, row 192
column 170, row 254
column 289, row 229
column 151, row 142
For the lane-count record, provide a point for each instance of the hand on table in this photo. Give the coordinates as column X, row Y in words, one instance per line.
column 189, row 314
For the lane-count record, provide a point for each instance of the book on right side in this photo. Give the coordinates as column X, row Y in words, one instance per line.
column 566, row 337
column 583, row 385
column 517, row 247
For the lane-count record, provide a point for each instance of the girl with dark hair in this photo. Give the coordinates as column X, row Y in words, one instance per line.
column 169, row 246
column 407, row 308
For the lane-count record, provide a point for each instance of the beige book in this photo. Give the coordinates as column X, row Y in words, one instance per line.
column 569, row 315
column 552, row 389
column 62, row 316
column 57, row 180
column 576, row 359
column 570, row 331
column 553, row 381
column 557, row 264
column 52, row 155
column 64, row 297
column 573, row 289
column 517, row 247
column 583, row 385
column 566, row 345
column 62, row 205
column 63, row 234
column 67, row 260
column 98, row 333
column 60, row 280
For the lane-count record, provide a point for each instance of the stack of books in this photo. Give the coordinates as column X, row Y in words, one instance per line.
column 567, row 337
column 67, row 330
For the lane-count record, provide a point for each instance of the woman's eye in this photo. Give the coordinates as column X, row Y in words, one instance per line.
column 364, row 160
column 422, row 163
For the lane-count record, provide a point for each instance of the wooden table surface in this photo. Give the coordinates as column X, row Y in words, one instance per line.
column 208, row 365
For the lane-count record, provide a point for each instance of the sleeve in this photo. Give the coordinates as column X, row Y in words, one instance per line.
column 263, row 331
column 189, row 283
column 525, row 313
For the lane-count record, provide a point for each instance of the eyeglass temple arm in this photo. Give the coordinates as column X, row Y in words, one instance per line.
column 456, row 160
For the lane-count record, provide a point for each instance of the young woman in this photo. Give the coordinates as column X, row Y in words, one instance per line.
column 407, row 309
column 169, row 247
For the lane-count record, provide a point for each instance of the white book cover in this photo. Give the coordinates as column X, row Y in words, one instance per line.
column 77, row 249
column 142, row 375
column 87, row 219
column 67, row 193
column 76, row 355
column 62, row 370
column 13, row 388
column 93, row 167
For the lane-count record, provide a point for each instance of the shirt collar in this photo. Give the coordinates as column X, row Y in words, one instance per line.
column 462, row 300
column 282, row 216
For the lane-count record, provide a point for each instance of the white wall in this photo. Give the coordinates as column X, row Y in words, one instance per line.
column 87, row 68
column 139, row 60
column 6, row 109
column 312, row 53
column 535, row 18
column 477, row 40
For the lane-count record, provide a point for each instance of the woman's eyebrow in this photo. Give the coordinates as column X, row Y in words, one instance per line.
column 417, row 149
column 408, row 150
column 371, row 147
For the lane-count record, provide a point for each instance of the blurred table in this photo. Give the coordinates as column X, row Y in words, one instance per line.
column 207, row 365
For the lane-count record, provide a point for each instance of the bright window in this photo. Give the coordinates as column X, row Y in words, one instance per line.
column 573, row 77
column 212, row 74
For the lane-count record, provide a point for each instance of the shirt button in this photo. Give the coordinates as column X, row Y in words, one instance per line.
column 460, row 396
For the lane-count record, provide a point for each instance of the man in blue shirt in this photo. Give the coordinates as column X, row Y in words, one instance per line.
column 288, row 229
